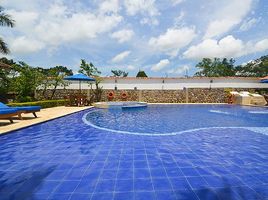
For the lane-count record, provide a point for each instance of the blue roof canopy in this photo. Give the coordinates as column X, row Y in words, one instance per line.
column 79, row 77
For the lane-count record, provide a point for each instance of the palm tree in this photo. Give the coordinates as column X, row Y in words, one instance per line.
column 5, row 20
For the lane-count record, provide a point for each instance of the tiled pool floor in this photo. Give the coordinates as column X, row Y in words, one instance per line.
column 67, row 159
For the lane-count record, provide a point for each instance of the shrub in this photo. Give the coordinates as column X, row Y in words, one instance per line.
column 43, row 104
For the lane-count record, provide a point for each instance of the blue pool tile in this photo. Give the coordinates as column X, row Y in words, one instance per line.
column 86, row 186
column 143, row 185
column 180, row 183
column 57, row 175
column 80, row 196
column 124, row 185
column 47, row 187
column 66, row 187
column 36, row 196
column 141, row 173
column 204, row 171
column 126, row 165
column 125, row 174
column 197, row 183
column 215, row 181
column 123, row 196
column 158, row 173
column 102, row 196
column 75, row 174
column 161, row 184
column 59, row 196
column 207, row 194
column 140, row 164
column 189, row 171
column 145, row 196
column 226, row 193
column 166, row 195
column 262, row 190
column 174, row 172
column 108, row 174
column 186, row 195
column 105, row 186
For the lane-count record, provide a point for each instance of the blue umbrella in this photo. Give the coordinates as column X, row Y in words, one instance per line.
column 80, row 78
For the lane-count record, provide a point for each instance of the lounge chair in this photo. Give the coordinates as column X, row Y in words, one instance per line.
column 8, row 113
column 24, row 109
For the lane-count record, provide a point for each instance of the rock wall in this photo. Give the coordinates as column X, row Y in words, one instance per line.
column 191, row 95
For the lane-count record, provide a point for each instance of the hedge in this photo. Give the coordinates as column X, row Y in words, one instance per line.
column 43, row 104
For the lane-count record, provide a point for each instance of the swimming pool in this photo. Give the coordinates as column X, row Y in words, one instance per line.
column 67, row 158
column 163, row 120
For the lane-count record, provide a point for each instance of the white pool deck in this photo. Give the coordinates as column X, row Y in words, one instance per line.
column 42, row 116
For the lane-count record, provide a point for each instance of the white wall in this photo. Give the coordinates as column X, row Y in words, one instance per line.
column 174, row 83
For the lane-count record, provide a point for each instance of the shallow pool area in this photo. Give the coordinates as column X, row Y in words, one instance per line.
column 67, row 158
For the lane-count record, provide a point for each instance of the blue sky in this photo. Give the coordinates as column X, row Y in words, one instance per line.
column 162, row 37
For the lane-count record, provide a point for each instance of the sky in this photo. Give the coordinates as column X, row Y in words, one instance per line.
column 161, row 37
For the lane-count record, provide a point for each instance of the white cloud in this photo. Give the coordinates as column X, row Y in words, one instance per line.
column 146, row 8
column 261, row 46
column 25, row 20
column 161, row 65
column 123, row 35
column 176, row 2
column 56, row 24
column 23, row 45
column 141, row 6
column 180, row 70
column 173, row 40
column 78, row 27
column 121, row 56
column 248, row 23
column 227, row 17
column 109, row 6
column 226, row 47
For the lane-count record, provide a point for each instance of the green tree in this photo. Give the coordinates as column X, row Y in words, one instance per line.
column 5, row 20
column 56, row 77
column 88, row 69
column 255, row 68
column 5, row 79
column 25, row 80
column 216, row 67
column 141, row 74
column 118, row 73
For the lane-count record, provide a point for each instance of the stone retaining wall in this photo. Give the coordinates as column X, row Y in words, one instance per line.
column 190, row 95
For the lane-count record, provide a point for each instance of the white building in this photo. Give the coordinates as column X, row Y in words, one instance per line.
column 157, row 83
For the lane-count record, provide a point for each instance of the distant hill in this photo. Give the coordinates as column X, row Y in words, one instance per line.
column 256, row 68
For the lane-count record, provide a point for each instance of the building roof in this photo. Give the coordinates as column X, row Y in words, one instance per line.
column 3, row 65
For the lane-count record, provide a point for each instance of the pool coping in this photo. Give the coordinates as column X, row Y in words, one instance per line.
column 45, row 120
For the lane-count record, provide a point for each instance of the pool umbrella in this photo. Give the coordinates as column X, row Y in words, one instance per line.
column 80, row 78
column 264, row 79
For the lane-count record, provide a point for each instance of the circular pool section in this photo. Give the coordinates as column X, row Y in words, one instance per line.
column 175, row 119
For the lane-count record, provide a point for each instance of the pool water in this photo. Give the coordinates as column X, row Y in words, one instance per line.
column 174, row 119
column 68, row 159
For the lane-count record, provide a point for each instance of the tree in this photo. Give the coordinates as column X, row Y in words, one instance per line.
column 255, row 68
column 25, row 80
column 5, row 79
column 88, row 69
column 56, row 75
column 5, row 20
column 141, row 74
column 216, row 67
column 118, row 73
